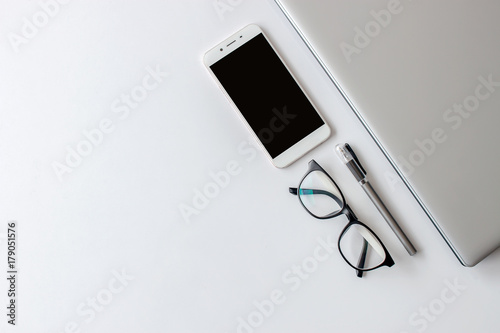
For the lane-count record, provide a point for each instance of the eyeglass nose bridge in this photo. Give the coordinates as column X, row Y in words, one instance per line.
column 349, row 213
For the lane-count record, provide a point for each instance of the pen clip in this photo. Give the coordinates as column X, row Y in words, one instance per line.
column 349, row 149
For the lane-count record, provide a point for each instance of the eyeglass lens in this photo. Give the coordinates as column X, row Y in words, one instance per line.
column 358, row 239
column 320, row 195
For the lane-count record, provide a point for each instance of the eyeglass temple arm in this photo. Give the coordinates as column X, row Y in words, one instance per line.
column 294, row 191
column 350, row 215
column 362, row 258
column 346, row 210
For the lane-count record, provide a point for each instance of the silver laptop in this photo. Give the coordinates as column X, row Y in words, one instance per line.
column 424, row 79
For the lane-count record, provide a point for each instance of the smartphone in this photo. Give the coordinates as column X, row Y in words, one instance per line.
column 270, row 101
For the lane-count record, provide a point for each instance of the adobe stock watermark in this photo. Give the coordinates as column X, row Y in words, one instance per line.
column 292, row 279
column 222, row 7
column 220, row 179
column 31, row 26
column 122, row 106
column 454, row 117
column 89, row 309
column 276, row 125
column 363, row 37
column 430, row 312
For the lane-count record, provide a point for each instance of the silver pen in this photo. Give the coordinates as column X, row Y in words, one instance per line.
column 350, row 159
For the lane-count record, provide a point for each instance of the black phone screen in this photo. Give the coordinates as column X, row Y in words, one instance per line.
column 267, row 95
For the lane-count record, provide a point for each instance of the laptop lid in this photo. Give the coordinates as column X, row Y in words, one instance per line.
column 424, row 79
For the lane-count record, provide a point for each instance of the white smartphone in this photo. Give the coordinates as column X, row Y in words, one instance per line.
column 269, row 99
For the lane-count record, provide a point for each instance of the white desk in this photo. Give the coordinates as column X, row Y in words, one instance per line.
column 100, row 149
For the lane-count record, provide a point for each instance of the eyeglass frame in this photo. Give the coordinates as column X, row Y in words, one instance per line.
column 351, row 217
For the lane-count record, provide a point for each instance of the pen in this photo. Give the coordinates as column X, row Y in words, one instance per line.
column 350, row 159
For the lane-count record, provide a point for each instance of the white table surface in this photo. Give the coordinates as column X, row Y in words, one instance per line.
column 102, row 245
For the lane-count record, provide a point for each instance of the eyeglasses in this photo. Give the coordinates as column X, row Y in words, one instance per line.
column 321, row 197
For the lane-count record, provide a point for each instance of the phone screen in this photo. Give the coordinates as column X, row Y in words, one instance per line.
column 267, row 95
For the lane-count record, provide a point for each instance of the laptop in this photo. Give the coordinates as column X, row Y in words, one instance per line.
column 424, row 79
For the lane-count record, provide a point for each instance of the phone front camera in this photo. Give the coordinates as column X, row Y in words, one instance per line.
column 221, row 49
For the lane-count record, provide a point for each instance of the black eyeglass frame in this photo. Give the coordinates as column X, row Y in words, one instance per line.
column 351, row 217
